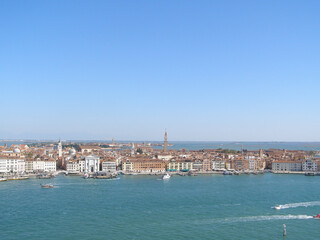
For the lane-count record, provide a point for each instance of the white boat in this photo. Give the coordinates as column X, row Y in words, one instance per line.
column 85, row 176
column 3, row 179
column 278, row 207
column 166, row 177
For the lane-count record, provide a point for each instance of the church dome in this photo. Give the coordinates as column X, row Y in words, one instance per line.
column 16, row 150
column 72, row 151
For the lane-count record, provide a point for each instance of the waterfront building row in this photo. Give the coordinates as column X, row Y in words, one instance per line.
column 35, row 166
column 292, row 166
column 12, row 165
column 90, row 164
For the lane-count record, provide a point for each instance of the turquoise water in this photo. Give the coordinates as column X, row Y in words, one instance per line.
column 143, row 207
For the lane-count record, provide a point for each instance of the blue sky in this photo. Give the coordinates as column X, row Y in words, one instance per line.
column 205, row 70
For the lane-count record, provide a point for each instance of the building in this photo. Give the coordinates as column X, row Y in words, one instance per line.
column 109, row 166
column 59, row 148
column 309, row 166
column 91, row 164
column 206, row 165
column 41, row 165
column 164, row 157
column 127, row 166
column 12, row 165
column 132, row 149
column 73, row 166
column 218, row 165
column 14, row 153
column 149, row 166
column 180, row 166
column 281, row 165
column 165, row 148
column 239, row 164
column 197, row 165
column 89, row 149
column 252, row 165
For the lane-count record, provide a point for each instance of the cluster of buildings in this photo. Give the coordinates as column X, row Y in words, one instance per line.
column 145, row 159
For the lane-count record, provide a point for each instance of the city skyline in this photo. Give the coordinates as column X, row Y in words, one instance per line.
column 205, row 71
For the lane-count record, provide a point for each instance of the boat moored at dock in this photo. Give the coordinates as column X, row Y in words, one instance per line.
column 227, row 173
column 18, row 178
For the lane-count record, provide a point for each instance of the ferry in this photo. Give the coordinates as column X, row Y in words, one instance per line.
column 310, row 174
column 47, row 186
column 166, row 177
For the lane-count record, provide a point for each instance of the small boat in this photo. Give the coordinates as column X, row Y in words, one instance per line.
column 166, row 177
column 310, row 174
column 46, row 185
column 317, row 216
column 3, row 179
column 227, row 173
column 85, row 176
column 277, row 207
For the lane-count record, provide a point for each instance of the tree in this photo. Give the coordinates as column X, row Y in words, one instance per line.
column 139, row 150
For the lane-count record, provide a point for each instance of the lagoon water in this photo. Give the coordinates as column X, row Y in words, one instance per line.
column 144, row 207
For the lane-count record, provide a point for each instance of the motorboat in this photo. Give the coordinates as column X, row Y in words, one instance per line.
column 46, row 185
column 3, row 179
column 277, row 207
column 85, row 176
column 166, row 176
column 227, row 173
column 317, row 216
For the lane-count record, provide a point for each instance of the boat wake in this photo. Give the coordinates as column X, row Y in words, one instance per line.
column 266, row 218
column 295, row 205
column 113, row 179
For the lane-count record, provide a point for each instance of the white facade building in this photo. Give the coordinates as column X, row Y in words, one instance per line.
column 12, row 165
column 286, row 166
column 127, row 166
column 73, row 167
column 309, row 166
column 109, row 166
column 165, row 157
column 218, row 165
column 252, row 164
column 91, row 164
column 59, row 148
column 41, row 166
